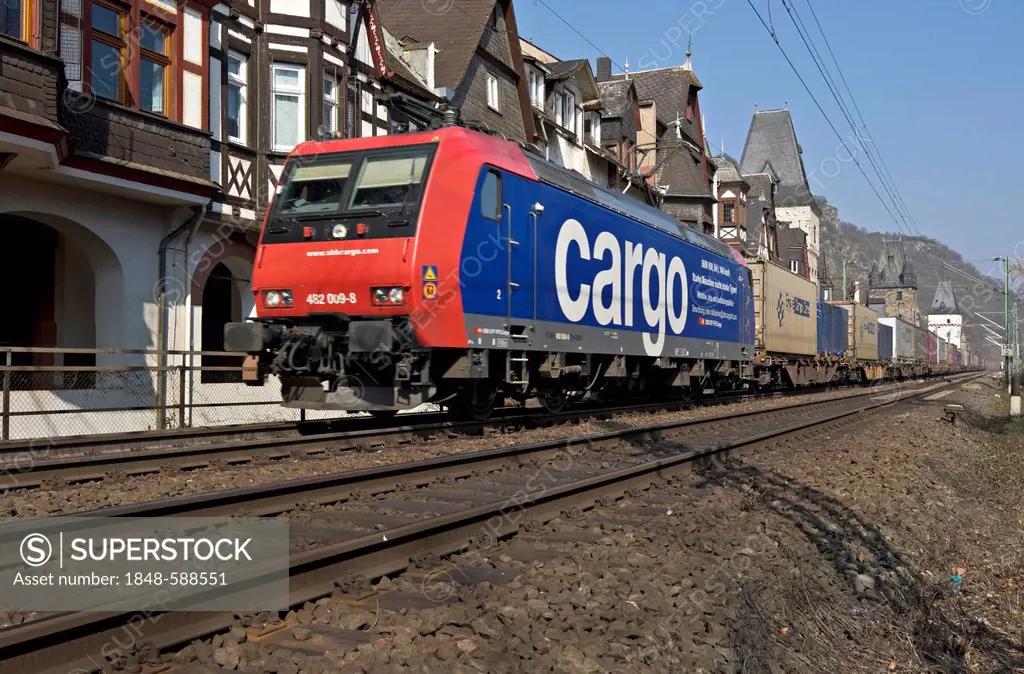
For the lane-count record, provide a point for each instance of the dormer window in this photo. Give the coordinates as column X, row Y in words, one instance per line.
column 569, row 115
column 536, row 89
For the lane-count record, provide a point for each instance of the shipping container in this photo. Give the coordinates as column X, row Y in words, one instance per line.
column 886, row 340
column 908, row 340
column 785, row 309
column 933, row 348
column 941, row 351
column 951, row 350
column 861, row 331
column 831, row 329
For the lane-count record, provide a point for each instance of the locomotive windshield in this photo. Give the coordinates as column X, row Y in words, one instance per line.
column 380, row 189
column 315, row 189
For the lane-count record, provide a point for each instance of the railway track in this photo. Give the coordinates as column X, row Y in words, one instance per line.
column 297, row 442
column 371, row 523
column 23, row 452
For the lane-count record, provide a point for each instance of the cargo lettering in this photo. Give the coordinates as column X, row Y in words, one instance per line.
column 622, row 260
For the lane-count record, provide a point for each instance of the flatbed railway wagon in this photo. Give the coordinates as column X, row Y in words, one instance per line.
column 909, row 352
column 861, row 362
column 786, row 328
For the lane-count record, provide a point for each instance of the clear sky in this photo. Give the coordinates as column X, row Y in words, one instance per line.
column 938, row 82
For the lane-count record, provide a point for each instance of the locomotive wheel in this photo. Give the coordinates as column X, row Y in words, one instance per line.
column 477, row 402
column 553, row 401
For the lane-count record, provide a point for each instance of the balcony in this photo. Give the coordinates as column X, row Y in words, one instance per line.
column 29, row 83
column 135, row 140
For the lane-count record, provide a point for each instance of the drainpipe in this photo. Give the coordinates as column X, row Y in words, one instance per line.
column 192, row 224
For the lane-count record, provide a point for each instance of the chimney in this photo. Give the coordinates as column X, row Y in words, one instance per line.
column 604, row 69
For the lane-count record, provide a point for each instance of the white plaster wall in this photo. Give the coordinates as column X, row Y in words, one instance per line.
column 597, row 169
column 118, row 233
column 805, row 218
column 571, row 155
column 75, row 289
column 951, row 331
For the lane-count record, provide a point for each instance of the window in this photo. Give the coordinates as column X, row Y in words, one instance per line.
column 288, row 109
column 154, row 66
column 330, row 121
column 536, row 88
column 490, row 196
column 899, row 294
column 569, row 114
column 16, row 19
column 794, row 266
column 388, row 181
column 559, row 108
column 107, row 53
column 593, row 128
column 316, row 188
column 352, row 111
column 238, row 77
column 492, row 92
column 728, row 213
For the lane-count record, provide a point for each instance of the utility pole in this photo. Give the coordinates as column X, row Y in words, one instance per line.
column 1015, row 399
column 844, row 280
column 1006, row 318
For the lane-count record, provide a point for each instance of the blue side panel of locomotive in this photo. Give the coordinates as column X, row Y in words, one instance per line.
column 585, row 278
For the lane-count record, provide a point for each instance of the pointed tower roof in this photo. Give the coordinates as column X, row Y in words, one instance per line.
column 944, row 301
column 772, row 138
column 892, row 270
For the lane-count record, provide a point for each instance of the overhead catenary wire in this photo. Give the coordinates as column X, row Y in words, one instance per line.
column 905, row 221
column 828, row 120
column 856, row 108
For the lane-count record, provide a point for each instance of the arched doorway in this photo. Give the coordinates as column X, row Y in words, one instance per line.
column 52, row 270
column 221, row 304
column 28, row 261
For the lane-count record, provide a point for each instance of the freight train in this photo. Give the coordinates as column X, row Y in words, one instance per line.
column 453, row 267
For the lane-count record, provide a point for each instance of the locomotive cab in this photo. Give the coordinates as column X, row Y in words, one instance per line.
column 333, row 277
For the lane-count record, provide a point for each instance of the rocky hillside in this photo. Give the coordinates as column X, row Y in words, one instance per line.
column 859, row 248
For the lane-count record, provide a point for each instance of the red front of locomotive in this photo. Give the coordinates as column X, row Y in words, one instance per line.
column 355, row 281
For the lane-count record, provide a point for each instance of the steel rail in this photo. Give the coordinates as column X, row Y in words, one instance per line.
column 40, row 448
column 32, row 471
column 75, row 641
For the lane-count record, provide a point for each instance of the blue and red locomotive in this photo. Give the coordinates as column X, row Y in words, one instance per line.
column 453, row 267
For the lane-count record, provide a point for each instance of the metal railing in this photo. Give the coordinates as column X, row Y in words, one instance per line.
column 50, row 392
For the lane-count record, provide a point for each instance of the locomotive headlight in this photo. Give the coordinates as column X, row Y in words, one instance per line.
column 274, row 299
column 388, row 296
column 339, row 231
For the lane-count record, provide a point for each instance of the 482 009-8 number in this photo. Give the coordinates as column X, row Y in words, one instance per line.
column 331, row 298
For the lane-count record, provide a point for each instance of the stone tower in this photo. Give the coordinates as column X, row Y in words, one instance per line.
column 892, row 284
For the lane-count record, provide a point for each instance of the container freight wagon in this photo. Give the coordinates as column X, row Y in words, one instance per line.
column 786, row 328
column 785, row 311
column 862, row 341
column 831, row 330
column 909, row 348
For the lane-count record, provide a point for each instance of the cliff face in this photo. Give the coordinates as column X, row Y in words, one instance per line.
column 858, row 248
